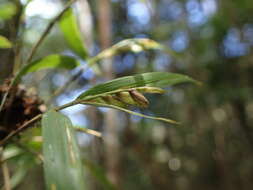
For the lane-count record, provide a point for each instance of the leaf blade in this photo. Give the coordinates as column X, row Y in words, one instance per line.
column 71, row 32
column 62, row 161
column 155, row 79
column 51, row 61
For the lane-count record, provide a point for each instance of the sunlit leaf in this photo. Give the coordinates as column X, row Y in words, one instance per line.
column 154, row 79
column 71, row 32
column 4, row 43
column 51, row 61
column 62, row 162
column 7, row 10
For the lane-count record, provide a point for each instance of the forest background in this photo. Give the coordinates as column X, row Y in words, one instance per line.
column 213, row 43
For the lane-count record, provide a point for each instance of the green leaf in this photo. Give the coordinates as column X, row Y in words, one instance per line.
column 71, row 32
column 4, row 43
column 132, row 45
column 51, row 61
column 7, row 10
column 62, row 162
column 154, row 79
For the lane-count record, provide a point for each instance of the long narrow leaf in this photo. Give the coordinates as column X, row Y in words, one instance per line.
column 62, row 163
column 159, row 79
column 51, row 61
column 71, row 32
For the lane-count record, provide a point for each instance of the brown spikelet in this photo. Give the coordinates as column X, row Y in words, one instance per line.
column 139, row 98
column 125, row 97
column 113, row 100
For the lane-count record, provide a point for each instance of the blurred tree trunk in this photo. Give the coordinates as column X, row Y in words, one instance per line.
column 111, row 136
column 240, row 113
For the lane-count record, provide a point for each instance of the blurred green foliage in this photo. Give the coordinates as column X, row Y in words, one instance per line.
column 7, row 10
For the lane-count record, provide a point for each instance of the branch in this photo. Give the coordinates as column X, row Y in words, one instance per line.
column 89, row 131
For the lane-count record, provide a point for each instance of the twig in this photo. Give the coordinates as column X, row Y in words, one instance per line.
column 89, row 131
column 36, row 46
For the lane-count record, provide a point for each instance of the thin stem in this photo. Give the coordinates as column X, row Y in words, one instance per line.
column 89, row 131
column 66, row 105
column 131, row 112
